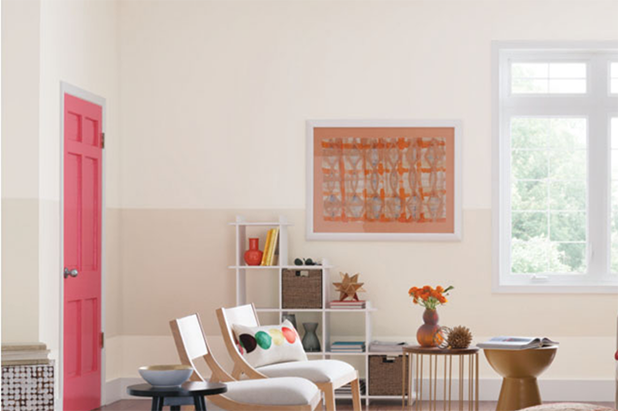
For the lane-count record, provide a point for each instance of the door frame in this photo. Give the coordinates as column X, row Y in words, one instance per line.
column 66, row 88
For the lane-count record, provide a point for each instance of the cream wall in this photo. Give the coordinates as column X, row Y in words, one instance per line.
column 79, row 46
column 214, row 101
column 20, row 157
column 44, row 43
column 236, row 80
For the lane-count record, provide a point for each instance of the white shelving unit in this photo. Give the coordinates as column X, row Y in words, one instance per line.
column 242, row 270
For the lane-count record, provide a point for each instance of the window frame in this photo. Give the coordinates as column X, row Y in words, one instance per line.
column 505, row 106
column 610, row 78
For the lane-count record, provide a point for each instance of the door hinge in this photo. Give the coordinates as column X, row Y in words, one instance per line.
column 102, row 140
column 102, row 340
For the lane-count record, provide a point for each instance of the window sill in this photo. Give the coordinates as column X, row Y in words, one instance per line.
column 555, row 288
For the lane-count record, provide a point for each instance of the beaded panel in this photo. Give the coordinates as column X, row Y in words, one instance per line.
column 28, row 388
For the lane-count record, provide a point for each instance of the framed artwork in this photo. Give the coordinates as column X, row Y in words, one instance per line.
column 383, row 180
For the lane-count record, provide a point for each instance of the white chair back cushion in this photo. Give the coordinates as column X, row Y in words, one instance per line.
column 192, row 336
column 243, row 315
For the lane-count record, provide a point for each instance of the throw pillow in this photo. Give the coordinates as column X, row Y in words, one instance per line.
column 269, row 344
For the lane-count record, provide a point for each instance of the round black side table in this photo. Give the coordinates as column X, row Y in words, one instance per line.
column 196, row 390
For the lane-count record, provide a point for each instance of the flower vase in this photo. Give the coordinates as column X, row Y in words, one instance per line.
column 311, row 343
column 427, row 332
column 253, row 256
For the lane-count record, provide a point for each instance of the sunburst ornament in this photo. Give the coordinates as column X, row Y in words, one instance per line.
column 349, row 287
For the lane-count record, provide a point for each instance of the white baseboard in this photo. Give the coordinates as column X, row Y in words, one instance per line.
column 559, row 390
column 116, row 390
column 584, row 390
column 551, row 390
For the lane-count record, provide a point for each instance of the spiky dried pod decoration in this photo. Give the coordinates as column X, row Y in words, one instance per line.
column 459, row 337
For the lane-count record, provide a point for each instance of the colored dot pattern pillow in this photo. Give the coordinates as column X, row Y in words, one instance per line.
column 269, row 344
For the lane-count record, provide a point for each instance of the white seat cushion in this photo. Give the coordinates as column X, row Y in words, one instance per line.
column 317, row 371
column 273, row 391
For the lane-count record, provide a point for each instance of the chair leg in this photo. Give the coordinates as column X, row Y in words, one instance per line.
column 236, row 372
column 356, row 400
column 329, row 398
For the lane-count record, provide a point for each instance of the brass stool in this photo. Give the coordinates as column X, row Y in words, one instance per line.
column 439, row 366
column 519, row 369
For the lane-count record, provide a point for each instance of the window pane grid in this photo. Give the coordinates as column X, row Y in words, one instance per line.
column 553, row 211
column 548, row 196
column 564, row 180
column 555, row 149
column 548, row 78
column 557, row 174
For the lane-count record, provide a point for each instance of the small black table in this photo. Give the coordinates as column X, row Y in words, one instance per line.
column 197, row 390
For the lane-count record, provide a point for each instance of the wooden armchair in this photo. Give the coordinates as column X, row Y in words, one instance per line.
column 277, row 394
column 328, row 375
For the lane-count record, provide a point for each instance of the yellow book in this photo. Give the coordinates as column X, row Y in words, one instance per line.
column 265, row 253
column 273, row 247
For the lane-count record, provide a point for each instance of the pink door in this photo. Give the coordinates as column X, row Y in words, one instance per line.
column 82, row 254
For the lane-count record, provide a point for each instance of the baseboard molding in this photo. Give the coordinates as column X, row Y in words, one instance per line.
column 559, row 390
column 116, row 390
column 551, row 390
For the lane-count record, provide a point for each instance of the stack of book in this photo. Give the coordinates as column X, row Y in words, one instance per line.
column 348, row 346
column 386, row 346
column 25, row 354
column 270, row 249
column 347, row 305
column 347, row 389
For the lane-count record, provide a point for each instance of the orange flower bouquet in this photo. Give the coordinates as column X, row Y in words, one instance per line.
column 429, row 297
column 428, row 334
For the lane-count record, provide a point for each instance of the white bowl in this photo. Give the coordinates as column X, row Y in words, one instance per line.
column 165, row 375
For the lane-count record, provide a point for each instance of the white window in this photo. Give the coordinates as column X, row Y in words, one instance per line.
column 556, row 168
column 614, row 78
column 548, row 77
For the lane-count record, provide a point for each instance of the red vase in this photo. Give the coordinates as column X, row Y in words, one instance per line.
column 427, row 332
column 253, row 256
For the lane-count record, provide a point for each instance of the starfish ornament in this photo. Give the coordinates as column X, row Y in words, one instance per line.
column 349, row 287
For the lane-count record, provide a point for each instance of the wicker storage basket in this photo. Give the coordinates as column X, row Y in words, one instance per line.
column 300, row 291
column 385, row 374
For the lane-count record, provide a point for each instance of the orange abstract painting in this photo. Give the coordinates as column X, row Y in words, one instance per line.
column 383, row 180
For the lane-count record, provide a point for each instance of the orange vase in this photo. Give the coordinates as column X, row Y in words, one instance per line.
column 426, row 332
column 253, row 256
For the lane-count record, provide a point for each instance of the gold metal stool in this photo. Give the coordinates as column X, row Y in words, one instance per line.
column 439, row 366
column 520, row 369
